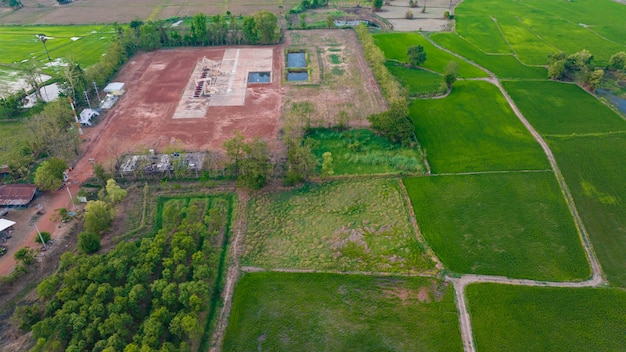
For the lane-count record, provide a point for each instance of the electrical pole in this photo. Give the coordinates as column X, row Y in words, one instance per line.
column 67, row 186
column 42, row 38
column 96, row 89
column 80, row 130
column 87, row 98
column 40, row 236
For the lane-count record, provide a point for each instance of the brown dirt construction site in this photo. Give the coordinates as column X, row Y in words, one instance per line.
column 159, row 106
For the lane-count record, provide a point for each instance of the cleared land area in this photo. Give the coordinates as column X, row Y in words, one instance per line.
column 474, row 129
column 362, row 152
column 326, row 312
column 515, row 225
column 94, row 11
column 516, row 318
column 395, row 46
column 344, row 226
column 556, row 108
column 595, row 169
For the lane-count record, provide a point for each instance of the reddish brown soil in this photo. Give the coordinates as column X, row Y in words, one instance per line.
column 142, row 118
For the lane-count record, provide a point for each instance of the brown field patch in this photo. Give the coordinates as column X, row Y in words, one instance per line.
column 155, row 82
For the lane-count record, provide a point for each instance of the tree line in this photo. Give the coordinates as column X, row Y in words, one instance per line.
column 579, row 67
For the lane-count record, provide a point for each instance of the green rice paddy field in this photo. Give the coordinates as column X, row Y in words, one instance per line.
column 416, row 81
column 512, row 224
column 555, row 108
column 517, row 318
column 595, row 170
column 12, row 139
column 347, row 226
column 85, row 43
column 326, row 312
column 474, row 129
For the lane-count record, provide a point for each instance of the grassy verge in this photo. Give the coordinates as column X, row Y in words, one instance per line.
column 559, row 108
column 325, row 312
column 347, row 226
column 395, row 46
column 460, row 135
column 595, row 170
column 13, row 136
column 515, row 318
column 358, row 152
column 514, row 225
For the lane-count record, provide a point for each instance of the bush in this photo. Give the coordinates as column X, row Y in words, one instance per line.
column 45, row 235
column 88, row 242
column 25, row 255
column 408, row 15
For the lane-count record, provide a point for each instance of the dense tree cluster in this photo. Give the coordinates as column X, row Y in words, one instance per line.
column 147, row 296
column 579, row 67
column 249, row 162
column 394, row 123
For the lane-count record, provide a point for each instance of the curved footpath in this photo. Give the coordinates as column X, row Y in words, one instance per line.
column 460, row 283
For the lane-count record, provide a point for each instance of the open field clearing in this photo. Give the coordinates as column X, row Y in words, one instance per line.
column 395, row 46
column 85, row 43
column 13, row 136
column 121, row 11
column 595, row 170
column 503, row 66
column 460, row 135
column 417, row 82
column 514, row 225
column 591, row 25
column 361, row 152
column 345, row 226
column 560, row 108
column 517, row 318
column 325, row 312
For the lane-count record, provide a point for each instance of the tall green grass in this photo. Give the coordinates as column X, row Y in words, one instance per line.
column 474, row 129
column 359, row 152
column 514, row 225
column 395, row 46
column 13, row 137
column 417, row 82
column 560, row 108
column 347, row 226
column 595, row 170
column 517, row 318
column 323, row 312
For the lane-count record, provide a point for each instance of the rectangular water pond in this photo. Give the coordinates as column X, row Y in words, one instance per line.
column 259, row 77
column 296, row 60
column 297, row 76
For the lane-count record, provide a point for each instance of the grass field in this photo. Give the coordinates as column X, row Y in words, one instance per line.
column 20, row 43
column 514, row 225
column 560, row 108
column 358, row 152
column 417, row 82
column 460, row 135
column 595, row 169
column 13, row 138
column 395, row 45
column 514, row 318
column 346, row 226
column 503, row 66
column 591, row 25
column 325, row 312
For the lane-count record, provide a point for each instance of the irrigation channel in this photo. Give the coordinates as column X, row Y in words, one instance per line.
column 464, row 280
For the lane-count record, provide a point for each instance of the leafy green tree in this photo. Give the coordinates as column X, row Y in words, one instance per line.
column 256, row 166
column 199, row 29
column 617, row 61
column 267, row 27
column 594, row 78
column 249, row 28
column 88, row 242
column 451, row 73
column 416, row 54
column 149, row 37
column 579, row 61
column 45, row 235
column 235, row 152
column 101, row 174
column 301, row 163
column 98, row 217
column 49, row 175
column 327, row 165
column 303, row 20
column 377, row 5
column 556, row 69
column 25, row 256
column 114, row 192
column 394, row 124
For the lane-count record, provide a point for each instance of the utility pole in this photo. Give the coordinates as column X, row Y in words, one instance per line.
column 40, row 236
column 95, row 87
column 87, row 98
column 80, row 130
column 42, row 38
column 67, row 186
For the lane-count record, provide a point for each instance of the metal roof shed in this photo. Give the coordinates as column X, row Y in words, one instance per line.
column 17, row 194
column 115, row 88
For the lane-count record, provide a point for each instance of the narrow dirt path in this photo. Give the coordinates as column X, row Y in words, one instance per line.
column 460, row 283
